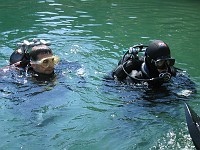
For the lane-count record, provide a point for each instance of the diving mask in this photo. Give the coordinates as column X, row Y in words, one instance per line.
column 48, row 61
column 161, row 63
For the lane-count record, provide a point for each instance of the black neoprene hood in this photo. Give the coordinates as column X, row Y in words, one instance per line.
column 158, row 50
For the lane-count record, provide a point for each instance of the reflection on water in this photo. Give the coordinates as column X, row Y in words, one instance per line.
column 79, row 109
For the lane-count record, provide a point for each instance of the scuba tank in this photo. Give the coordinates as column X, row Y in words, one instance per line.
column 21, row 54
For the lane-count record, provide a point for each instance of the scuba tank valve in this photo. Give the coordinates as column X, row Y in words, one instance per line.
column 22, row 54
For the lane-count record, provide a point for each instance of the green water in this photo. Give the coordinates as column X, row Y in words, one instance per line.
column 84, row 111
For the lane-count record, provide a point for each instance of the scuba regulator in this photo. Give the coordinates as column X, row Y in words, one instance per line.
column 21, row 54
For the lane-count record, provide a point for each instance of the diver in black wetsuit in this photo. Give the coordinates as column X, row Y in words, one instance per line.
column 155, row 67
column 35, row 58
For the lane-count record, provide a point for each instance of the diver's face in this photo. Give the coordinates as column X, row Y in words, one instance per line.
column 44, row 64
column 162, row 70
column 163, row 64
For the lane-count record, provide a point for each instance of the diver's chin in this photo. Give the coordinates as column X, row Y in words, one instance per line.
column 48, row 71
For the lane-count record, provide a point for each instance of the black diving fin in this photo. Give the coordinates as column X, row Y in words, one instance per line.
column 193, row 123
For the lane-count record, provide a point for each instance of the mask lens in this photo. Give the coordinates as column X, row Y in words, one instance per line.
column 170, row 62
column 159, row 63
column 45, row 63
column 56, row 60
column 162, row 62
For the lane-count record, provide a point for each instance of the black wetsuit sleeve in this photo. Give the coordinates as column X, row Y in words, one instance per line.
column 125, row 66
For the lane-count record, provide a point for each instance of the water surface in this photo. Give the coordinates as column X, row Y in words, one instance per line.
column 80, row 109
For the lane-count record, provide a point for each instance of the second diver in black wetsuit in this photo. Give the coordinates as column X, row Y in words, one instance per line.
column 155, row 67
